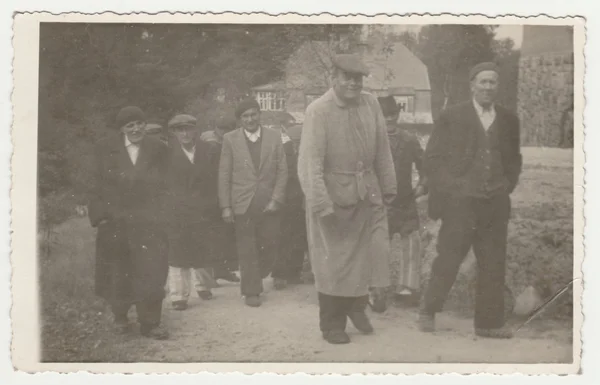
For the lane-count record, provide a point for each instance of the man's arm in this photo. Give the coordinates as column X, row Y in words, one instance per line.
column 384, row 163
column 516, row 156
column 311, row 156
column 225, row 172
column 418, row 152
column 282, row 173
column 96, row 206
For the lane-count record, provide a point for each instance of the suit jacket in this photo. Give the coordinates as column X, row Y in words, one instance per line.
column 452, row 147
column 240, row 182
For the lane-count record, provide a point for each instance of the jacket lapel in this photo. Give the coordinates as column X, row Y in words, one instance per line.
column 242, row 146
column 123, row 159
column 265, row 145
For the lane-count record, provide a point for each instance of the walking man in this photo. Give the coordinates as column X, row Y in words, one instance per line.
column 347, row 174
column 192, row 198
column 127, row 192
column 252, row 181
column 473, row 162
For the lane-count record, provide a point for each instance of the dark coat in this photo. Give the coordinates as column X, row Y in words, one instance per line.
column 191, row 205
column 131, row 255
column 403, row 216
column 452, row 147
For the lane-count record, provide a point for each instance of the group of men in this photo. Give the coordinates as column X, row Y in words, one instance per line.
column 347, row 196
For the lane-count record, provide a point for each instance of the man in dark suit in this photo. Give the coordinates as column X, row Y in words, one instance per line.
column 192, row 199
column 473, row 162
column 127, row 192
column 252, row 182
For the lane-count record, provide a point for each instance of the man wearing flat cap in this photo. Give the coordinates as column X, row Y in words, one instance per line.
column 347, row 174
column 192, row 198
column 473, row 162
column 252, row 181
column 127, row 192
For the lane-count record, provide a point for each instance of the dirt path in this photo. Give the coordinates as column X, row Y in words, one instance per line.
column 285, row 329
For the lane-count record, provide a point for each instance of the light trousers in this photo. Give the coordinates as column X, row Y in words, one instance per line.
column 182, row 279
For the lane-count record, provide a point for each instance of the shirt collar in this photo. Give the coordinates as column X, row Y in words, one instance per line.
column 190, row 151
column 255, row 134
column 480, row 110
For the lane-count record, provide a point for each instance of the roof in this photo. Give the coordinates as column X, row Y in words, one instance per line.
column 399, row 68
column 275, row 86
column 395, row 68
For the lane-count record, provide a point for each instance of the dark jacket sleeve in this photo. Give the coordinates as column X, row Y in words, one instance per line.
column 97, row 210
column 282, row 173
column 225, row 171
column 516, row 158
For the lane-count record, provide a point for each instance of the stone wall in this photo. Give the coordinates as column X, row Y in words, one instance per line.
column 545, row 97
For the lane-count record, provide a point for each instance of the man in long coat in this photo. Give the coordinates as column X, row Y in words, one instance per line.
column 252, row 180
column 191, row 202
column 347, row 174
column 473, row 162
column 126, row 206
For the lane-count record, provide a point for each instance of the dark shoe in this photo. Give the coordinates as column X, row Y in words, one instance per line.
column 500, row 333
column 252, row 301
column 205, row 294
column 279, row 283
column 179, row 305
column 361, row 322
column 426, row 321
column 156, row 333
column 336, row 337
column 227, row 276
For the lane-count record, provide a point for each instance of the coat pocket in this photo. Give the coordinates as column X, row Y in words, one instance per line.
column 342, row 189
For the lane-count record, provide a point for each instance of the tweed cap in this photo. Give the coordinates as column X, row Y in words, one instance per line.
column 182, row 121
column 388, row 104
column 246, row 105
column 129, row 114
column 350, row 63
column 485, row 66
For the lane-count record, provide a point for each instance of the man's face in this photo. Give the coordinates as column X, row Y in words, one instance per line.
column 250, row 119
column 134, row 131
column 186, row 135
column 347, row 86
column 391, row 122
column 484, row 87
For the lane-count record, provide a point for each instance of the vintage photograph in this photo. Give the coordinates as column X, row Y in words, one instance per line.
column 306, row 193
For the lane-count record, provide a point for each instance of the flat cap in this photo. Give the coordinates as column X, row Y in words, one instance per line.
column 485, row 66
column 246, row 105
column 388, row 104
column 182, row 120
column 129, row 114
column 350, row 63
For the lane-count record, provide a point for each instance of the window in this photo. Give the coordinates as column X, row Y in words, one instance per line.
column 271, row 100
column 405, row 104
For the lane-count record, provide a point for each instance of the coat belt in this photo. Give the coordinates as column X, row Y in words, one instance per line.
column 359, row 174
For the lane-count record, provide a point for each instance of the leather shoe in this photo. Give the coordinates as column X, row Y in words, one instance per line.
column 205, row 294
column 336, row 337
column 156, row 333
column 361, row 322
column 252, row 301
column 179, row 305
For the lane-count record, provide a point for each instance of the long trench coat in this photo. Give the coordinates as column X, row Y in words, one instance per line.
column 346, row 169
column 192, row 206
column 126, row 205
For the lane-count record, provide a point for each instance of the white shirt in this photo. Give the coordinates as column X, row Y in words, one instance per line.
column 253, row 136
column 133, row 149
column 486, row 116
column 190, row 154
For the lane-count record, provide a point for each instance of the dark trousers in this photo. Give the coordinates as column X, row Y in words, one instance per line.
column 293, row 244
column 334, row 310
column 482, row 224
column 227, row 259
column 148, row 312
column 257, row 239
